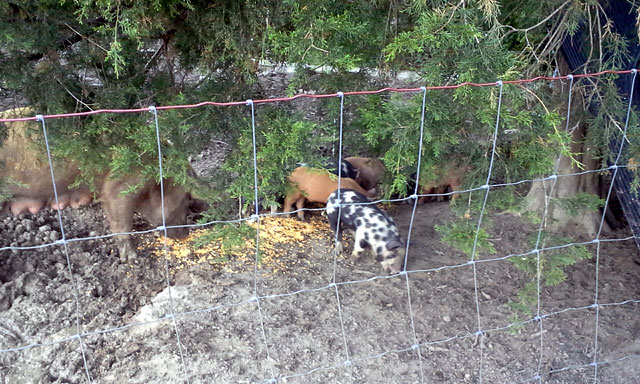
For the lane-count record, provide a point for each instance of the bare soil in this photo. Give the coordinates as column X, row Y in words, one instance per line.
column 359, row 331
column 128, row 337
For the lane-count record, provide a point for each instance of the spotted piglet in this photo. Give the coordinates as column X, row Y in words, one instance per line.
column 374, row 229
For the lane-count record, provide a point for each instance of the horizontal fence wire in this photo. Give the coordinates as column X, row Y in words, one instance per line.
column 318, row 96
column 408, row 199
column 256, row 298
column 168, row 319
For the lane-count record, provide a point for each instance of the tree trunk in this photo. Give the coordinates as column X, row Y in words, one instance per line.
column 558, row 218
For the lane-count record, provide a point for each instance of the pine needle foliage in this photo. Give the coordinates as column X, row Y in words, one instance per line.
column 80, row 55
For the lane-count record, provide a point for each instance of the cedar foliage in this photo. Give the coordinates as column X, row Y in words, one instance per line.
column 79, row 55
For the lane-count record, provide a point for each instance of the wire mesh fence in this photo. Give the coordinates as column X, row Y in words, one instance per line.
column 415, row 349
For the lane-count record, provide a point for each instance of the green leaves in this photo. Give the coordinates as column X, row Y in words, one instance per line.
column 230, row 236
column 461, row 235
column 580, row 203
column 282, row 141
column 444, row 38
column 551, row 268
column 81, row 55
column 342, row 35
column 115, row 58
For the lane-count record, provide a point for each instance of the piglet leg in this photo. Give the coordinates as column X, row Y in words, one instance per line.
column 25, row 204
column 119, row 209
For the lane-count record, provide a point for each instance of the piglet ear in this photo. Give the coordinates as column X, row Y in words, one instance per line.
column 197, row 205
column 393, row 244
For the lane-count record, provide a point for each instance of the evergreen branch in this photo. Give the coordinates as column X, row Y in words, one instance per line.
column 85, row 38
column 565, row 150
column 555, row 39
column 535, row 96
column 638, row 22
column 513, row 30
column 590, row 24
column 73, row 96
column 615, row 123
column 67, row 42
column 453, row 12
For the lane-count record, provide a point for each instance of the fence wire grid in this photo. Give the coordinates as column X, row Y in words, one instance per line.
column 479, row 333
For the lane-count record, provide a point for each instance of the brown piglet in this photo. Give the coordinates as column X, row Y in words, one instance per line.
column 314, row 185
column 370, row 172
column 449, row 176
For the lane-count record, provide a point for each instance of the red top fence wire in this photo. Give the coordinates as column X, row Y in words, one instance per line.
column 321, row 96
column 417, row 343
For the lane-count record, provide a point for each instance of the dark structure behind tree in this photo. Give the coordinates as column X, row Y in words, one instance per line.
column 572, row 48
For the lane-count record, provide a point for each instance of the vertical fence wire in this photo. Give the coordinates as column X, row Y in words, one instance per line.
column 74, row 284
column 337, row 238
column 634, row 73
column 347, row 361
column 416, row 344
column 256, row 217
column 479, row 333
column 165, row 248
column 536, row 250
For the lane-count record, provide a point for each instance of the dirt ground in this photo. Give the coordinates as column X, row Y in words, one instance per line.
column 128, row 337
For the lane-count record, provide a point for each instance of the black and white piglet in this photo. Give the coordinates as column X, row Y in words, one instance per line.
column 347, row 169
column 373, row 229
